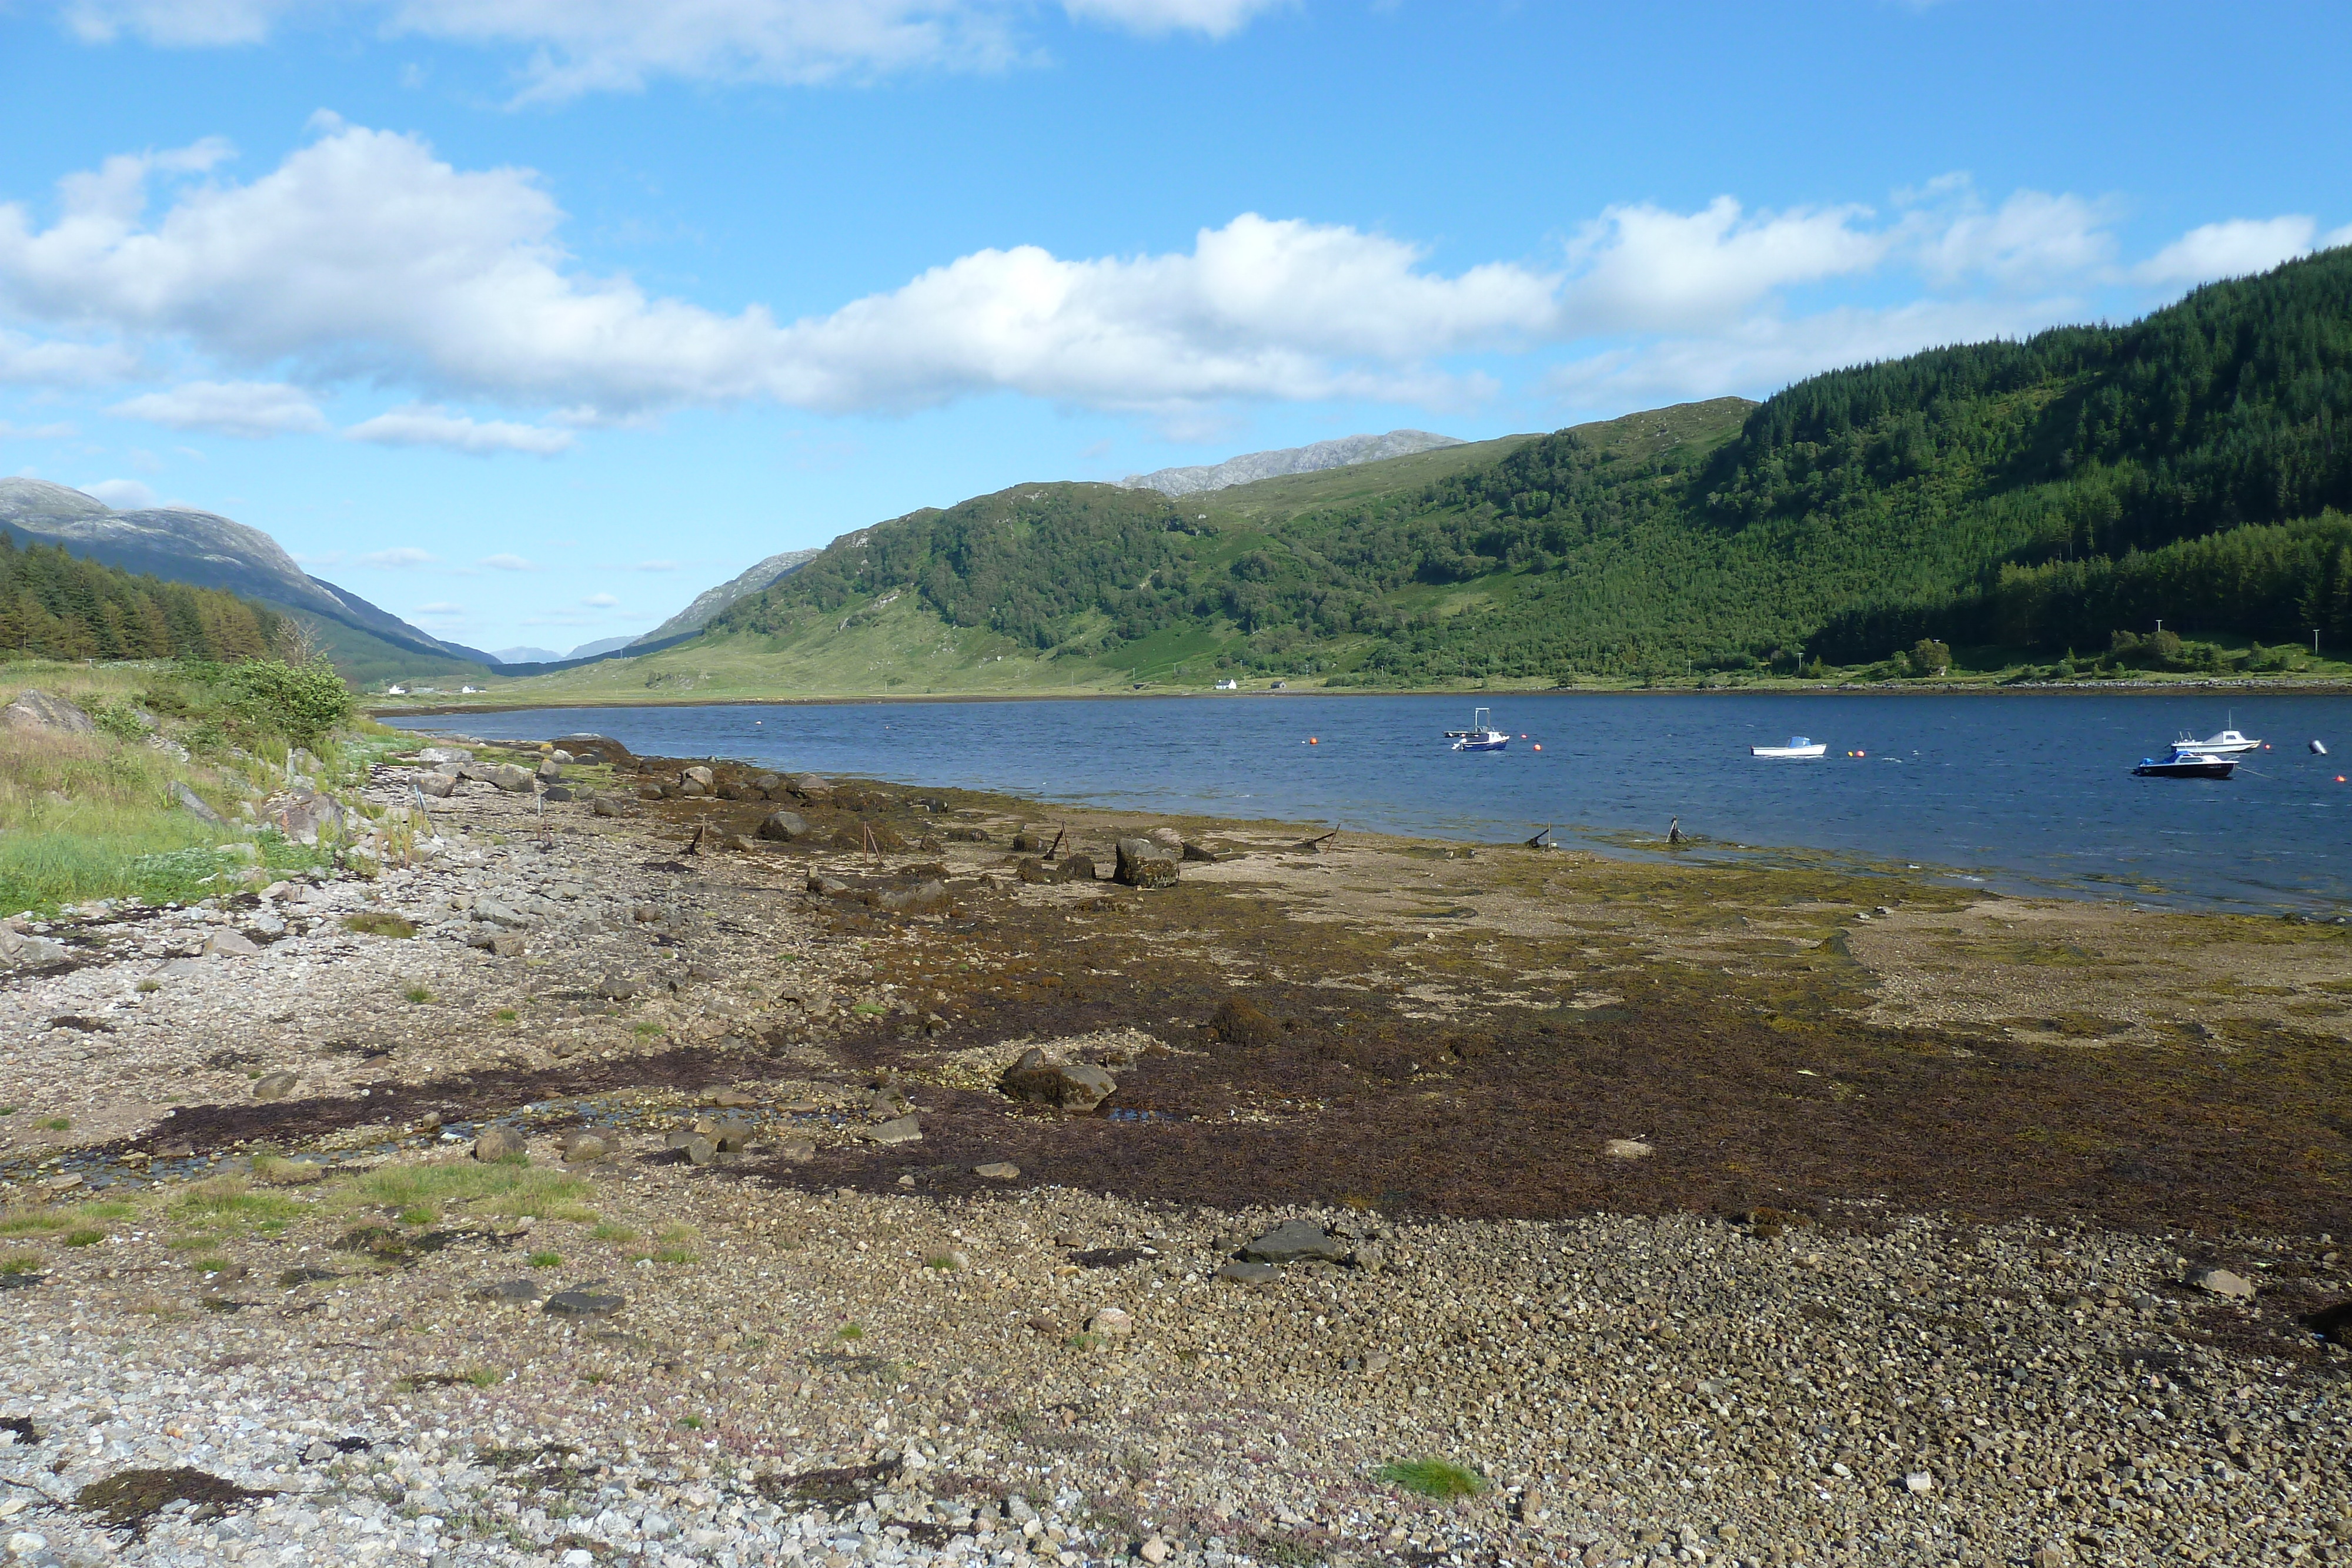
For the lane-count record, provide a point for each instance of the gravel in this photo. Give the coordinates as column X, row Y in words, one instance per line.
column 691, row 1363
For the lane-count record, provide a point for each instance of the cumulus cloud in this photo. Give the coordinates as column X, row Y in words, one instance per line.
column 123, row 495
column 363, row 254
column 251, row 408
column 25, row 362
column 600, row 602
column 2232, row 249
column 1645, row 268
column 508, row 563
column 52, row 432
column 1771, row 349
column 422, row 424
column 576, row 46
column 399, row 556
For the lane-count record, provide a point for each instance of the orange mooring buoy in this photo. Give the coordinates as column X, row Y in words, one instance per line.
column 1314, row 740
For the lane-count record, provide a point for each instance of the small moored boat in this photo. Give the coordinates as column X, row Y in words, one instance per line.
column 2228, row 743
column 1798, row 746
column 1482, row 735
column 2180, row 763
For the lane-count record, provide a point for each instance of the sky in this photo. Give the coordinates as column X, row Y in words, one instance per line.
column 528, row 320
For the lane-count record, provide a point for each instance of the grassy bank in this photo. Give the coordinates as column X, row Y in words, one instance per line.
column 100, row 815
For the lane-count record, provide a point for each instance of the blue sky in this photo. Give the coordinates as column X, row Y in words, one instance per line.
column 529, row 318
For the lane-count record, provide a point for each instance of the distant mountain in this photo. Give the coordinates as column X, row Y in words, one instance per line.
column 205, row 551
column 711, row 601
column 601, row 646
column 526, row 655
column 1322, row 454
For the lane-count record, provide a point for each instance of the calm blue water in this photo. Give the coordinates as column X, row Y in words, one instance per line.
column 2022, row 790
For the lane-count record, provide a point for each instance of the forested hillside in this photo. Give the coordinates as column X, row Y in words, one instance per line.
column 55, row 605
column 2040, row 496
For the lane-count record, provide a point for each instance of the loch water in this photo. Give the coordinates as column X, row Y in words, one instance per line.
column 2029, row 792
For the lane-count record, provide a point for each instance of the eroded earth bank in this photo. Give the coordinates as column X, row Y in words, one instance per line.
column 1667, row 1210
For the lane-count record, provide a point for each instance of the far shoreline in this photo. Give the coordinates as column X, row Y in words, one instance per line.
column 376, row 710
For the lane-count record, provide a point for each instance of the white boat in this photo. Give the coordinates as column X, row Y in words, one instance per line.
column 1798, row 746
column 2228, row 743
column 1482, row 735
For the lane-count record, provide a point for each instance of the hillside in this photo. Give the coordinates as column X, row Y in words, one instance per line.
column 205, row 549
column 55, row 605
column 2017, row 500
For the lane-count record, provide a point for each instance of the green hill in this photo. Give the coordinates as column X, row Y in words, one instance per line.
column 57, row 605
column 2019, row 498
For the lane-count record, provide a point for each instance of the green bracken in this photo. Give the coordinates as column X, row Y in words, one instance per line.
column 1433, row 1477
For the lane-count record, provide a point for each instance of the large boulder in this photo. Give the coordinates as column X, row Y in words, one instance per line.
column 506, row 775
column 595, row 749
column 811, row 787
column 1070, row 1085
column 1077, row 868
column 784, row 827
column 1298, row 1240
column 437, row 785
column 36, row 710
column 1143, row 863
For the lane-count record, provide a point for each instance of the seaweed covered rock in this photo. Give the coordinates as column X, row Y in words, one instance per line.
column 1070, row 1085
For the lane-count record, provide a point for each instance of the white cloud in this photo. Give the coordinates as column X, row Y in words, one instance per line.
column 508, row 563
column 2029, row 240
column 1769, row 351
column 24, row 361
column 253, row 409
column 176, row 23
column 123, row 495
column 1212, row 18
column 399, row 556
column 600, row 602
column 655, row 566
column 587, row 45
column 364, row 253
column 1645, row 268
column 55, row 432
column 325, row 558
column 2230, row 249
column 424, row 425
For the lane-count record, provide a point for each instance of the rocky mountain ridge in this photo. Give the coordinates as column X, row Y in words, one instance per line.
column 1309, row 459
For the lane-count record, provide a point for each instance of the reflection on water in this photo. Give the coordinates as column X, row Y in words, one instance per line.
column 2022, row 788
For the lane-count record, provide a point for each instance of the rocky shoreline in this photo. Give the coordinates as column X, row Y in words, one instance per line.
column 1330, row 1164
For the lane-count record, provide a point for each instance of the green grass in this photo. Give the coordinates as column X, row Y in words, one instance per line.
column 510, row 1191
column 485, row 1376
column 691, row 1423
column 84, row 1237
column 546, row 1259
column 1433, row 1477
column 849, row 1331
column 31, row 1221
column 611, row 1231
column 506, row 1014
column 85, row 817
column 227, row 1205
column 380, row 923
column 55, row 1123
column 20, row 1263
column 417, row 994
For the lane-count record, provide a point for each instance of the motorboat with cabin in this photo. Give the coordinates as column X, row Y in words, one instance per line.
column 2228, row 743
column 1482, row 735
column 1798, row 746
column 2180, row 763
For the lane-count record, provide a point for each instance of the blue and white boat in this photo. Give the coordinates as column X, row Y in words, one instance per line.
column 1482, row 735
column 1798, row 746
